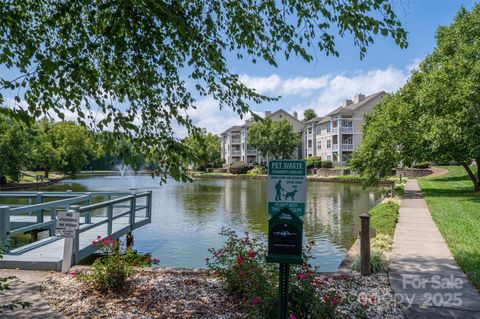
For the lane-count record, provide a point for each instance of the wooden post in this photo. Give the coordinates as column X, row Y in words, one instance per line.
column 129, row 239
column 392, row 194
column 109, row 218
column 365, row 267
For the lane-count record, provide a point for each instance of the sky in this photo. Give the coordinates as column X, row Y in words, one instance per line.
column 324, row 83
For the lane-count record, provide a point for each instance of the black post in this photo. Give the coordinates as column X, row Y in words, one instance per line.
column 283, row 291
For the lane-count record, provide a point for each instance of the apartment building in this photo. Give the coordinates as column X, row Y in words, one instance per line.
column 234, row 141
column 336, row 135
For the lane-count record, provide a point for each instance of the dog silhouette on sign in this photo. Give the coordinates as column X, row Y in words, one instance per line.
column 290, row 194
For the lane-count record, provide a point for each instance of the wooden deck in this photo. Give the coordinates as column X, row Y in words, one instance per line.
column 47, row 254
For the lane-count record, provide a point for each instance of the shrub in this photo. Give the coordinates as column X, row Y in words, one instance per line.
column 384, row 217
column 421, row 165
column 239, row 168
column 314, row 161
column 378, row 262
column 114, row 267
column 241, row 263
column 326, row 164
column 382, row 242
column 257, row 170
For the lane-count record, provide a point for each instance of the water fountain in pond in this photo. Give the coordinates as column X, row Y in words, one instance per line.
column 127, row 171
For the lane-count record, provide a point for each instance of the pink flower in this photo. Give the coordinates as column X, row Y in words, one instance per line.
column 292, row 317
column 301, row 276
column 334, row 302
column 326, row 298
column 73, row 273
column 317, row 282
column 98, row 237
column 309, row 271
column 155, row 261
column 240, row 260
column 218, row 255
column 252, row 254
column 255, row 301
column 94, row 242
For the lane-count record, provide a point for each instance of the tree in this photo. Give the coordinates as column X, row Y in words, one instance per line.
column 435, row 115
column 137, row 67
column 73, row 143
column 14, row 148
column 45, row 154
column 206, row 149
column 277, row 139
column 309, row 114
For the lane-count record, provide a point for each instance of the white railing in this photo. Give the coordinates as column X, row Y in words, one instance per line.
column 334, row 130
column 251, row 152
column 347, row 129
column 335, row 147
column 236, row 153
column 347, row 147
column 235, row 140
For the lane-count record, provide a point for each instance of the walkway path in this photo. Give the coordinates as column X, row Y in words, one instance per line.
column 423, row 273
column 27, row 290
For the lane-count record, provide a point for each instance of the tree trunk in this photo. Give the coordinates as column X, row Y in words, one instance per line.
column 475, row 179
column 46, row 171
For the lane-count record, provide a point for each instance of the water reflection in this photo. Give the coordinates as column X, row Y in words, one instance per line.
column 186, row 218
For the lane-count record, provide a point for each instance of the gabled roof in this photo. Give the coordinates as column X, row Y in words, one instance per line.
column 288, row 114
column 345, row 110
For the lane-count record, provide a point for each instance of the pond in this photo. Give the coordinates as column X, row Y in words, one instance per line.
column 186, row 218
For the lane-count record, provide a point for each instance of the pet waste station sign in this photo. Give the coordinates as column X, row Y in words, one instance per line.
column 287, row 186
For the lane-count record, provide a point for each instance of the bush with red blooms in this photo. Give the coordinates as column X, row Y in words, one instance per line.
column 241, row 263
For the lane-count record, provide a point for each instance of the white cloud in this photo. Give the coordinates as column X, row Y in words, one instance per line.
column 273, row 84
column 342, row 87
column 261, row 85
column 414, row 64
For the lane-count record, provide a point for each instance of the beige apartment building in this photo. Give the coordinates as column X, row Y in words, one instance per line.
column 234, row 141
column 336, row 135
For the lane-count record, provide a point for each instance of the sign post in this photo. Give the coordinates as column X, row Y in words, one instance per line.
column 287, row 187
column 67, row 223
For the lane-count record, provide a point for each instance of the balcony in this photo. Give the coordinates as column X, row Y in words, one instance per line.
column 346, row 130
column 251, row 152
column 334, row 130
column 334, row 147
column 347, row 147
column 236, row 152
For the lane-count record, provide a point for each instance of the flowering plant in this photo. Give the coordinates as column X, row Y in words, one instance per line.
column 241, row 263
column 114, row 267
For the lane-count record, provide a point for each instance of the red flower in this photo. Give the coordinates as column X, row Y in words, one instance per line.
column 255, row 301
column 240, row 260
column 155, row 261
column 301, row 276
column 317, row 282
column 326, row 298
column 252, row 254
column 309, row 271
column 334, row 302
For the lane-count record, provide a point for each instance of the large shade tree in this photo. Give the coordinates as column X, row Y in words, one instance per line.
column 277, row 139
column 435, row 116
column 137, row 67
column 205, row 147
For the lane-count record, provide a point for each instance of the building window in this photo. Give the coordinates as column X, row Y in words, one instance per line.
column 243, row 146
column 309, row 143
column 319, row 145
column 318, row 129
column 329, row 158
column 329, row 144
column 329, row 125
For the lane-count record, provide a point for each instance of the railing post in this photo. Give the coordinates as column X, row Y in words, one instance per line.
column 53, row 218
column 133, row 206
column 40, row 212
column 109, row 218
column 4, row 223
column 149, row 205
column 88, row 216
column 76, row 239
column 365, row 267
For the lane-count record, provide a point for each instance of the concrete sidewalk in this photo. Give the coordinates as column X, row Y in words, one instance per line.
column 423, row 274
column 26, row 290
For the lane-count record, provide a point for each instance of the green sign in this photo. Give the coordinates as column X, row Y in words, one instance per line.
column 285, row 234
column 287, row 186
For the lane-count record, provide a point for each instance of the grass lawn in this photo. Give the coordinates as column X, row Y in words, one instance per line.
column 455, row 208
column 384, row 217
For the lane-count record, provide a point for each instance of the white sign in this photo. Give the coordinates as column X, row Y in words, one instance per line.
column 68, row 220
column 67, row 232
column 287, row 186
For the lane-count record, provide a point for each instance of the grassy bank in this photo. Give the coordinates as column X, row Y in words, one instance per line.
column 455, row 209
